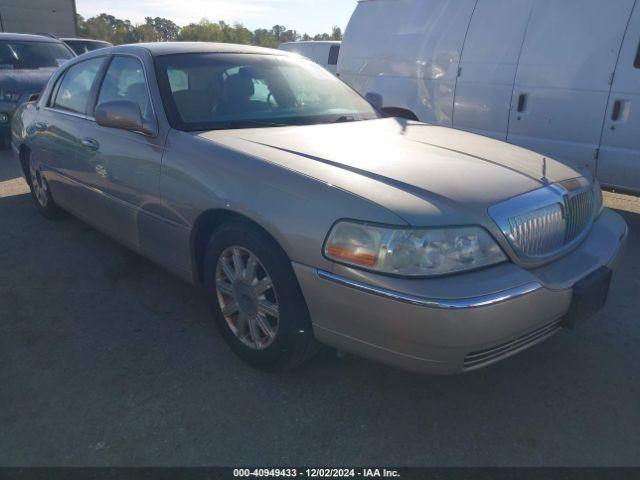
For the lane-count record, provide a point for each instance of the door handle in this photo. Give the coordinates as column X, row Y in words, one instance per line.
column 40, row 126
column 617, row 109
column 90, row 143
column 522, row 103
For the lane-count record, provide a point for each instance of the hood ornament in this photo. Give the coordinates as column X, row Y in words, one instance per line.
column 544, row 171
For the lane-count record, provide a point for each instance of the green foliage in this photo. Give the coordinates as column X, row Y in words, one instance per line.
column 117, row 31
column 166, row 30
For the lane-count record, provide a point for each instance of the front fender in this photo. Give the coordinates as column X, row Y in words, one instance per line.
column 23, row 117
column 296, row 210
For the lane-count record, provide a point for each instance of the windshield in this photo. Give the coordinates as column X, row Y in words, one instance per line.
column 32, row 55
column 205, row 91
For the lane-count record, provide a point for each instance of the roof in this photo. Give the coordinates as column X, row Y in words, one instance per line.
column 66, row 39
column 312, row 42
column 170, row 48
column 23, row 37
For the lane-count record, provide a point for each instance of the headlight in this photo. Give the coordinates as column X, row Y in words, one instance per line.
column 9, row 96
column 412, row 252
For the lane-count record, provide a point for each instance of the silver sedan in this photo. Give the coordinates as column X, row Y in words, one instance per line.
column 308, row 218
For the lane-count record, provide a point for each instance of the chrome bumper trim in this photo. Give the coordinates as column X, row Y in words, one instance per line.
column 461, row 303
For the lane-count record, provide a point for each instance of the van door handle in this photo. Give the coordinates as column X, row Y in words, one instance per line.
column 40, row 126
column 522, row 102
column 90, row 143
column 615, row 113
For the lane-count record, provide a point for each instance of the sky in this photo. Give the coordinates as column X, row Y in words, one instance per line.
column 305, row 16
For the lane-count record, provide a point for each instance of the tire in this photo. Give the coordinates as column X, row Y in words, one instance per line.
column 286, row 339
column 40, row 190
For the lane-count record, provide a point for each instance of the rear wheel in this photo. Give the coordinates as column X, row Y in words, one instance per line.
column 40, row 190
column 256, row 299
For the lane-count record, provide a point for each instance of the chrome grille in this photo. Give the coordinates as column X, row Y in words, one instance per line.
column 540, row 231
column 579, row 211
column 544, row 222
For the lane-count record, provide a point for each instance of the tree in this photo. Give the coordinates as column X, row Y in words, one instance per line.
column 203, row 31
column 146, row 33
column 282, row 35
column 264, row 38
column 109, row 28
column 165, row 29
column 158, row 29
column 80, row 26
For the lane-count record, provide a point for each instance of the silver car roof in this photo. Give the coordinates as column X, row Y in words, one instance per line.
column 171, row 48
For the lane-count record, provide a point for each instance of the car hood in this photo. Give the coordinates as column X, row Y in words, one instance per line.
column 418, row 171
column 31, row 81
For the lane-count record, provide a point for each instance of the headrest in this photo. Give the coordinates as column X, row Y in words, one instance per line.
column 239, row 86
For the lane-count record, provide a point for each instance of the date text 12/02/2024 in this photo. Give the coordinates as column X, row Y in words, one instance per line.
column 316, row 473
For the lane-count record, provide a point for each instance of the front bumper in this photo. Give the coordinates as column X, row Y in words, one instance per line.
column 456, row 323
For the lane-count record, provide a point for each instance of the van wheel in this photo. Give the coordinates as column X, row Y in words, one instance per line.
column 41, row 192
column 256, row 300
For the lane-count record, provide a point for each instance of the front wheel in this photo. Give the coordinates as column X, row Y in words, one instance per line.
column 256, row 300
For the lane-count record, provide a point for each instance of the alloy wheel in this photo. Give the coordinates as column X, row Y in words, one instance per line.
column 247, row 297
column 39, row 184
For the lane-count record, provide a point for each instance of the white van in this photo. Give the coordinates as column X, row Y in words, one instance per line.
column 324, row 53
column 558, row 77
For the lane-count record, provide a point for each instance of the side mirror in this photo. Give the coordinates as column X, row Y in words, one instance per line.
column 374, row 99
column 122, row 114
column 34, row 97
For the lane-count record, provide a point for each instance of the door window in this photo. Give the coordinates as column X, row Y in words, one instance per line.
column 75, row 86
column 334, row 52
column 125, row 80
column 637, row 62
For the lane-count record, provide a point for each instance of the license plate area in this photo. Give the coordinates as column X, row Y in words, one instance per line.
column 589, row 297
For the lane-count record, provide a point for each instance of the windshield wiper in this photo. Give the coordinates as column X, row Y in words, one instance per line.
column 347, row 118
column 260, row 123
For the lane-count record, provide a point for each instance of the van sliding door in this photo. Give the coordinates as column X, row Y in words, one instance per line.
column 564, row 77
column 488, row 66
column 619, row 158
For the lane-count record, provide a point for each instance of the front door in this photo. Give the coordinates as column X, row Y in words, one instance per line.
column 126, row 164
column 619, row 158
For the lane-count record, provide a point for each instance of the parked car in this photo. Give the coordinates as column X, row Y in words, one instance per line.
column 26, row 63
column 558, row 77
column 84, row 45
column 306, row 217
column 324, row 53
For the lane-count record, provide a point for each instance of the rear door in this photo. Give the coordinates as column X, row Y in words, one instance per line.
column 619, row 158
column 59, row 135
column 564, row 77
column 488, row 66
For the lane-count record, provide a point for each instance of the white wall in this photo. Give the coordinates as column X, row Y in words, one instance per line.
column 39, row 16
